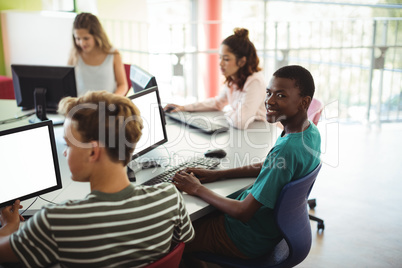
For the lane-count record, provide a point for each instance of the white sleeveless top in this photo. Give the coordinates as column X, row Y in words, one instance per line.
column 95, row 77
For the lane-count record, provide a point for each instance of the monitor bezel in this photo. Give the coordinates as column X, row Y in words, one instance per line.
column 58, row 185
column 20, row 71
column 137, row 88
column 161, row 113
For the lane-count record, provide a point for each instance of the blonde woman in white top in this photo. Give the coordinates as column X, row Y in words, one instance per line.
column 244, row 87
column 98, row 65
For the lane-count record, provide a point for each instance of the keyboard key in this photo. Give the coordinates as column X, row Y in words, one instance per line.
column 167, row 175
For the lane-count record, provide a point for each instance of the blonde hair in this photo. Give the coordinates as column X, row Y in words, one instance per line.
column 108, row 118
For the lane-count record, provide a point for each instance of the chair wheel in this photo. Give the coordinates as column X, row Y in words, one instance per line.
column 312, row 203
column 320, row 226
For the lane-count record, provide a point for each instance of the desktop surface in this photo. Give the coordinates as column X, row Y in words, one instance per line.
column 243, row 147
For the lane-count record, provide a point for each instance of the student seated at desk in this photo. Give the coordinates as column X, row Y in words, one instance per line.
column 245, row 227
column 117, row 224
column 97, row 64
column 244, row 88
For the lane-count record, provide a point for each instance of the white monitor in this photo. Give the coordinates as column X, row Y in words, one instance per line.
column 28, row 162
column 154, row 131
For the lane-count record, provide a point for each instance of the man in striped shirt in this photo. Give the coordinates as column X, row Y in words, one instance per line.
column 117, row 224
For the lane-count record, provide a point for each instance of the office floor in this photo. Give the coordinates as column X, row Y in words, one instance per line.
column 360, row 201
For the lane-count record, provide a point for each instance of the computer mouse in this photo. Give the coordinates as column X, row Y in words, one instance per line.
column 168, row 109
column 218, row 153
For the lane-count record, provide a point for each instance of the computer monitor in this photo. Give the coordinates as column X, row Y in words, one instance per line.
column 42, row 87
column 141, row 79
column 154, row 131
column 29, row 163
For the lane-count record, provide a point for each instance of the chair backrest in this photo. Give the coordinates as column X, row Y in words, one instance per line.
column 171, row 260
column 315, row 110
column 292, row 218
column 127, row 69
column 6, row 88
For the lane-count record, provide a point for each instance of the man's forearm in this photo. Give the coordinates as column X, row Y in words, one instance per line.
column 241, row 172
column 8, row 229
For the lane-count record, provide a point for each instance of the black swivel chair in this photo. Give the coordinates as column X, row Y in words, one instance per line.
column 292, row 218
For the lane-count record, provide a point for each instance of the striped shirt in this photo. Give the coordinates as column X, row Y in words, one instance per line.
column 130, row 228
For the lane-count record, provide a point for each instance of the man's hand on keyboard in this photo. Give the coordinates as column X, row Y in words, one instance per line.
column 186, row 182
column 204, row 175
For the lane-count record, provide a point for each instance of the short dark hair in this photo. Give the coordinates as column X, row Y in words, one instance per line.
column 303, row 78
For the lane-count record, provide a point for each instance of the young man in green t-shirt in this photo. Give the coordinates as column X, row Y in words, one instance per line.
column 245, row 227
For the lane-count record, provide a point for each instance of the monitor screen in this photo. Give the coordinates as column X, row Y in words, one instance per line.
column 58, row 82
column 154, row 131
column 29, row 163
column 141, row 79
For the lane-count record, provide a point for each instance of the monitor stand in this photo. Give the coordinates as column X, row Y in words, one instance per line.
column 40, row 109
column 40, row 105
column 132, row 167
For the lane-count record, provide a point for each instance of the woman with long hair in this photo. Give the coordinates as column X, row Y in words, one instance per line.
column 244, row 86
column 98, row 66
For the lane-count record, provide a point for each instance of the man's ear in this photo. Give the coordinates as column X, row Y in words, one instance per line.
column 305, row 103
column 242, row 61
column 95, row 151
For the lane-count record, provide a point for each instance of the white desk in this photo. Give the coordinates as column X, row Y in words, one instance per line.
column 242, row 146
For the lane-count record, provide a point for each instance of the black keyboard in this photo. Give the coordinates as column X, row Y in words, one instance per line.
column 200, row 162
column 198, row 122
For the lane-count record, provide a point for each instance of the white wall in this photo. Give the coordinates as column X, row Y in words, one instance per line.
column 136, row 10
column 38, row 38
column 44, row 38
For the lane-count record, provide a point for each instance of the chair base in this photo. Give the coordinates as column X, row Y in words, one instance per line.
column 312, row 203
column 320, row 222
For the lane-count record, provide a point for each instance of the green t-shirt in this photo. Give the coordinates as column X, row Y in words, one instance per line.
column 293, row 156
